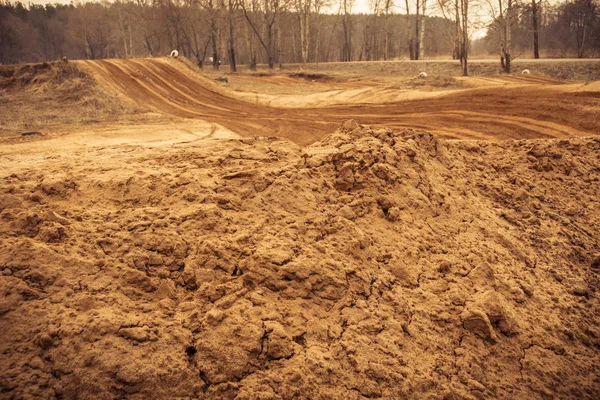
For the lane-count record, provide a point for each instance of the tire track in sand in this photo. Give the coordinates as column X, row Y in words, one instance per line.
column 168, row 87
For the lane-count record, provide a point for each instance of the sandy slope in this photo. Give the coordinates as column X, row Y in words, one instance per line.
column 372, row 264
column 290, row 93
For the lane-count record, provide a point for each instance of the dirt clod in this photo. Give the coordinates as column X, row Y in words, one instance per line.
column 45, row 341
column 596, row 262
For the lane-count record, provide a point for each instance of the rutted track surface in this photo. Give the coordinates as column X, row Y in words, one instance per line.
column 498, row 113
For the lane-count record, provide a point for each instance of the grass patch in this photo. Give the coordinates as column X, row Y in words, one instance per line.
column 432, row 81
column 310, row 76
column 45, row 96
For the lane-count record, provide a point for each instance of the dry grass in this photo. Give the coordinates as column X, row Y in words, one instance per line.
column 49, row 96
column 313, row 77
column 397, row 74
column 431, row 81
column 580, row 70
column 297, row 82
column 190, row 64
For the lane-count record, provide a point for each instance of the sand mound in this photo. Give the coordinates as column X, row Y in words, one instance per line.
column 65, row 78
column 372, row 264
column 40, row 96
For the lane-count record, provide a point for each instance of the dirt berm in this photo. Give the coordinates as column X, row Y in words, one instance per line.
column 371, row 264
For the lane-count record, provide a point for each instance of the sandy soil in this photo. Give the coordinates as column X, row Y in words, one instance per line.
column 371, row 264
column 523, row 107
column 180, row 258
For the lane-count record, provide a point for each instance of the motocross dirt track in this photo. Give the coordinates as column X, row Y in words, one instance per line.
column 524, row 110
column 140, row 262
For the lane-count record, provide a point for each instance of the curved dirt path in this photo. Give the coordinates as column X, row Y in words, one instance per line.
column 507, row 112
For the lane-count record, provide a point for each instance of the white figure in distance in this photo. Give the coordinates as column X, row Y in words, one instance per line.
column 423, row 75
column 174, row 54
column 525, row 72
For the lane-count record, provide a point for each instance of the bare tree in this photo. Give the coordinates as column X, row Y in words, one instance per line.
column 583, row 13
column 88, row 32
column 346, row 9
column 535, row 6
column 505, row 17
column 409, row 28
column 303, row 10
column 417, row 36
column 388, row 6
column 197, row 31
column 376, row 33
column 232, row 6
column 318, row 5
column 460, row 8
column 171, row 14
column 214, row 9
column 417, row 39
column 421, row 31
column 269, row 12
column 274, row 31
column 250, row 8
column 371, row 31
column 463, row 21
column 146, row 17
column 124, row 20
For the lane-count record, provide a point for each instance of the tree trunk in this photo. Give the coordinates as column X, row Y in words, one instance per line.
column 409, row 32
column 386, row 30
column 148, row 43
column 269, row 49
column 250, row 42
column 456, row 54
column 215, row 51
column 534, row 21
column 279, row 46
column 303, row 10
column 422, row 31
column 508, row 46
column 123, row 27
column 230, row 39
column 417, row 37
column 506, row 39
column 231, row 53
column 581, row 43
column 317, row 54
column 346, row 23
column 464, row 51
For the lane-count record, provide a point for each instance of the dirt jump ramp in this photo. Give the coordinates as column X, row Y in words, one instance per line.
column 168, row 86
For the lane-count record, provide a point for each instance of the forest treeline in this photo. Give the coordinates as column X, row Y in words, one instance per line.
column 277, row 32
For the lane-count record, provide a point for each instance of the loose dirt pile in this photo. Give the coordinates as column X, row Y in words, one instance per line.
column 47, row 95
column 63, row 82
column 372, row 264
